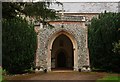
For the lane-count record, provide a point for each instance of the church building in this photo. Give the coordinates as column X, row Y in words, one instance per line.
column 66, row 45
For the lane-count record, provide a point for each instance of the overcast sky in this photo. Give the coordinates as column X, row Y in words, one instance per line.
column 83, row 0
column 62, row 0
column 88, row 0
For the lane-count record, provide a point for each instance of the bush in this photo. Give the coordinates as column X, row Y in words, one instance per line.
column 103, row 32
column 19, row 45
column 116, row 48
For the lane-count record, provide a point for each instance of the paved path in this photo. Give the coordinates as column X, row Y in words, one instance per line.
column 66, row 76
column 59, row 75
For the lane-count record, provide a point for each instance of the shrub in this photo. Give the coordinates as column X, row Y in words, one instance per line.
column 103, row 32
column 19, row 45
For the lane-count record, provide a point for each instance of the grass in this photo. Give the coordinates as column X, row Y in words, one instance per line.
column 109, row 79
column 0, row 74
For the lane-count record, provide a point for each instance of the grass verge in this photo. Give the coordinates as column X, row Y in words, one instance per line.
column 109, row 79
column 0, row 74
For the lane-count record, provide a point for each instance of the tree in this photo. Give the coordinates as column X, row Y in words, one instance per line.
column 41, row 12
column 11, row 9
column 38, row 10
column 116, row 48
column 19, row 37
column 19, row 45
column 103, row 32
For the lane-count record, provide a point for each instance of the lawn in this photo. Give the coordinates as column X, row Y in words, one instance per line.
column 109, row 79
column 0, row 74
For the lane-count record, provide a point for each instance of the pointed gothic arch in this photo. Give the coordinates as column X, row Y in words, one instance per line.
column 75, row 48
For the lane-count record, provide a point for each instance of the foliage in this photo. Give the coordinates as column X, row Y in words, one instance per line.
column 19, row 45
column 103, row 32
column 11, row 9
column 116, row 48
column 19, row 38
column 39, row 10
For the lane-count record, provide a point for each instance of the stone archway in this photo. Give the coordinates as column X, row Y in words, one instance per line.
column 62, row 55
column 76, row 34
column 50, row 44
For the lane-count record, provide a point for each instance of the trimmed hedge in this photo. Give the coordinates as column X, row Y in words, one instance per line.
column 18, row 45
column 103, row 33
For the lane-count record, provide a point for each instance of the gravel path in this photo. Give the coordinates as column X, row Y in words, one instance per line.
column 59, row 76
column 66, row 76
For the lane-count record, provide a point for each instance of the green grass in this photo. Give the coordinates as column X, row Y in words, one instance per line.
column 0, row 74
column 109, row 79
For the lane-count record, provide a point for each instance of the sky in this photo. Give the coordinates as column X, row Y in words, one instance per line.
column 88, row 0
column 61, row 0
column 83, row 0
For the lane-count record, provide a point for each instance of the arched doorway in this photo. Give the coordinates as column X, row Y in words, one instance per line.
column 61, row 59
column 51, row 63
column 62, row 55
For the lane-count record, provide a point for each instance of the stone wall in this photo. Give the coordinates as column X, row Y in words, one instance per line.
column 75, row 30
